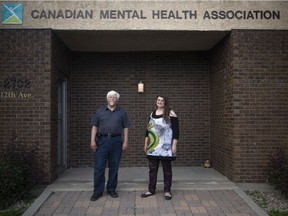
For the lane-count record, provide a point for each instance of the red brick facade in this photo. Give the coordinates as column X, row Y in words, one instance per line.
column 29, row 65
column 232, row 101
column 249, row 102
column 182, row 76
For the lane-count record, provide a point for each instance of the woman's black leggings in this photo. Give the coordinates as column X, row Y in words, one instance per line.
column 153, row 171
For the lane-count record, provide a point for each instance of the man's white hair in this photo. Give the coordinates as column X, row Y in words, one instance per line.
column 113, row 93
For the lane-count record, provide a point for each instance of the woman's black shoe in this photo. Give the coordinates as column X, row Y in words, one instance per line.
column 168, row 196
column 147, row 194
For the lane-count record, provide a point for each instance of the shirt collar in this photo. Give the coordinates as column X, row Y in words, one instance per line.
column 116, row 108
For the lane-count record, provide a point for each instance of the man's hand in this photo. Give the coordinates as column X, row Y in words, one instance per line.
column 125, row 146
column 93, row 136
column 93, row 145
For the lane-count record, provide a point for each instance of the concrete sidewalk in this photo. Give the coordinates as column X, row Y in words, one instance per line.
column 196, row 191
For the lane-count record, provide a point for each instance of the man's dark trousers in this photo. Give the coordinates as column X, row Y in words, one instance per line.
column 108, row 148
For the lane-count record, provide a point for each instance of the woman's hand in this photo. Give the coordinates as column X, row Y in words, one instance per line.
column 146, row 141
column 174, row 146
column 145, row 147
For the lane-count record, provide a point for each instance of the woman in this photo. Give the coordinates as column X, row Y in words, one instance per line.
column 160, row 145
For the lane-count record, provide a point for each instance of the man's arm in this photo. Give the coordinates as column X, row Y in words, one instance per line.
column 125, row 142
column 93, row 138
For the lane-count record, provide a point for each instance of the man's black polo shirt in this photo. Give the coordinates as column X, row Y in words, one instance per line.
column 108, row 121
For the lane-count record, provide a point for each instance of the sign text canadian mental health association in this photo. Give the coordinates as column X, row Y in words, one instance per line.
column 157, row 14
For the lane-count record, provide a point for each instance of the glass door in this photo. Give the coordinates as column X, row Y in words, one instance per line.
column 62, row 125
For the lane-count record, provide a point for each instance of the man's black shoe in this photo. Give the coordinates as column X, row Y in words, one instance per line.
column 95, row 197
column 113, row 194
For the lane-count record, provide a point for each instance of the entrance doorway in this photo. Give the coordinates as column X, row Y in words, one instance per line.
column 62, row 125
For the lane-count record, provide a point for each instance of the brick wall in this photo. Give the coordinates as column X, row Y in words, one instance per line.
column 25, row 67
column 29, row 66
column 241, row 84
column 260, row 101
column 222, row 128
column 249, row 109
column 181, row 76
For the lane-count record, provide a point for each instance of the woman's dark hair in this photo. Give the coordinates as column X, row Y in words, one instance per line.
column 166, row 108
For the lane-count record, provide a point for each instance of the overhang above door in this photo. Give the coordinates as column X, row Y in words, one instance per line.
column 130, row 40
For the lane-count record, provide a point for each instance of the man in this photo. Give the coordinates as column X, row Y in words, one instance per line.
column 108, row 124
